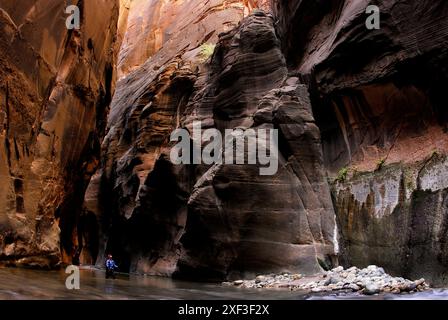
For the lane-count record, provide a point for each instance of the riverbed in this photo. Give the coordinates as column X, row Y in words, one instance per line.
column 19, row 284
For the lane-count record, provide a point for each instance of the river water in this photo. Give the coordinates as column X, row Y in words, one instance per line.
column 37, row 284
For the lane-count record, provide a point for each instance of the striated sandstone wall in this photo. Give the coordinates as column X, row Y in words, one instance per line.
column 367, row 105
column 377, row 93
column 175, row 26
column 202, row 221
column 378, row 98
column 55, row 86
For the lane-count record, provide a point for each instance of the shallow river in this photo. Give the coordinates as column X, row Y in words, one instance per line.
column 34, row 284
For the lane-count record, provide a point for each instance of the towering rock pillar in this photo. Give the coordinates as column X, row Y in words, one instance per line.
column 204, row 63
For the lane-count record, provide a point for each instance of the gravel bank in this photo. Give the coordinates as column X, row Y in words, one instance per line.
column 370, row 280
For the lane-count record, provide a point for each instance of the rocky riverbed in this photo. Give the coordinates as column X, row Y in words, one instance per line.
column 369, row 281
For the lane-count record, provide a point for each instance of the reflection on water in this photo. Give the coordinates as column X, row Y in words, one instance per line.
column 34, row 284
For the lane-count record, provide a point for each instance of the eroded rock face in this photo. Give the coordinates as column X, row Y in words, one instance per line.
column 397, row 217
column 378, row 93
column 255, row 223
column 369, row 102
column 138, row 211
column 378, row 100
column 137, row 200
column 212, row 222
column 173, row 26
column 55, row 86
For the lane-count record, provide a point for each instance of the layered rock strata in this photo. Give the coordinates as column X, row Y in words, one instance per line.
column 364, row 108
column 55, row 87
column 219, row 221
column 378, row 99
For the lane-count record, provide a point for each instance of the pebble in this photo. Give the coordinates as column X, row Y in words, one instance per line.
column 419, row 282
column 354, row 287
column 371, row 289
column 297, row 276
column 338, row 269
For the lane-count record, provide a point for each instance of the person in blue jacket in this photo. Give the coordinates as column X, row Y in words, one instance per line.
column 110, row 267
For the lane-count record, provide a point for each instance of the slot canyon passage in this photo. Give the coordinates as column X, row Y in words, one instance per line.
column 86, row 117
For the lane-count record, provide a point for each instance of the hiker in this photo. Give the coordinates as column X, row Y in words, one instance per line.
column 110, row 267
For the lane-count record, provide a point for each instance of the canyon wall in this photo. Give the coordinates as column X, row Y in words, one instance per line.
column 55, row 87
column 209, row 221
column 361, row 117
column 378, row 99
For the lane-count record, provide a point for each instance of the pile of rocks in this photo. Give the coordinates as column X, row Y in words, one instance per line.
column 371, row 280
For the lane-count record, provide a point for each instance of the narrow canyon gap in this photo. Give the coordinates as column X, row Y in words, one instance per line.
column 86, row 117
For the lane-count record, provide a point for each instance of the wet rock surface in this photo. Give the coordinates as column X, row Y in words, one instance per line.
column 368, row 281
column 396, row 217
